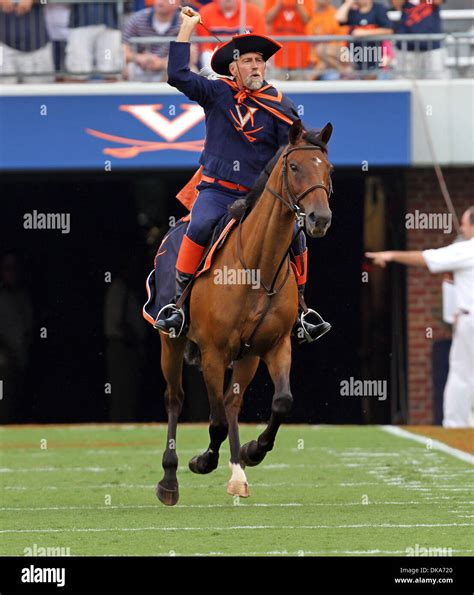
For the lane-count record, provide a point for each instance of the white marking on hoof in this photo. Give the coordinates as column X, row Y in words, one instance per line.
column 238, row 474
column 238, row 485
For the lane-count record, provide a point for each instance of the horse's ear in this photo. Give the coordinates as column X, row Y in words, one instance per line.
column 326, row 133
column 296, row 131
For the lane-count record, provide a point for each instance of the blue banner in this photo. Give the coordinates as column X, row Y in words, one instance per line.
column 167, row 130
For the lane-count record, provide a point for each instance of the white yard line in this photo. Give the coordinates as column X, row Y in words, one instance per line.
column 243, row 505
column 53, row 469
column 239, row 528
column 458, row 454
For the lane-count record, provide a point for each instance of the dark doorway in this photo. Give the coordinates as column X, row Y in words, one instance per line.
column 123, row 216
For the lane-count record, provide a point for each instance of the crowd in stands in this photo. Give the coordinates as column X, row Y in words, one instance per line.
column 41, row 42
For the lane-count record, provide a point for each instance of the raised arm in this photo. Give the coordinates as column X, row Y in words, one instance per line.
column 272, row 13
column 342, row 12
column 194, row 86
column 189, row 20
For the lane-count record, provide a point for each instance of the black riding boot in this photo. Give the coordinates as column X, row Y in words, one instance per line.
column 175, row 323
column 303, row 330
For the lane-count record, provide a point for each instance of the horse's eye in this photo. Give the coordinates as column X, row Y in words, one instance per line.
column 293, row 167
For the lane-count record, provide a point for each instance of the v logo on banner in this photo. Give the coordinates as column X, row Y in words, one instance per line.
column 170, row 130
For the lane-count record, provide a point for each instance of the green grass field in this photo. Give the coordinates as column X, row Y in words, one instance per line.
column 322, row 491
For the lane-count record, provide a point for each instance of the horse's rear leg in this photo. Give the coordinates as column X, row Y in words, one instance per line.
column 172, row 354
column 278, row 361
column 243, row 372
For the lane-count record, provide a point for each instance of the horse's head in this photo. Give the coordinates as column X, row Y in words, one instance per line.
column 308, row 176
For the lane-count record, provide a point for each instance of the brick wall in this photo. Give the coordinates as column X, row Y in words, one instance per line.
column 424, row 289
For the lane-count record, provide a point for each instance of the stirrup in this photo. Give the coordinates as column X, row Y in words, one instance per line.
column 174, row 310
column 307, row 337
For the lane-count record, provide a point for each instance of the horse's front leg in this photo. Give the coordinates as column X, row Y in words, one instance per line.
column 209, row 459
column 172, row 354
column 213, row 368
column 278, row 361
column 243, row 372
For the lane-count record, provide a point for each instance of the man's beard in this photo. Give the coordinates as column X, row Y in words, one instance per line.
column 253, row 84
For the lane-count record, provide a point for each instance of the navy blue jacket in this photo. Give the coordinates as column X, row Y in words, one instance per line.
column 228, row 154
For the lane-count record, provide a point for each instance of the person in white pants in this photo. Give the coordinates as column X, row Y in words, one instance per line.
column 94, row 41
column 26, row 53
column 458, row 258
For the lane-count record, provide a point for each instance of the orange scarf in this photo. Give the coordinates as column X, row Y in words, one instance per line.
column 259, row 97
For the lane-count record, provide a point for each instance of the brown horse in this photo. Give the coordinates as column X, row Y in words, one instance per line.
column 224, row 318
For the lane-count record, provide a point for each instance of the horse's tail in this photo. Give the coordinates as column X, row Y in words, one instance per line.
column 192, row 354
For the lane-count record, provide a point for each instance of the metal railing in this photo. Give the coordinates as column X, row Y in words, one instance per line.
column 369, row 56
column 376, row 57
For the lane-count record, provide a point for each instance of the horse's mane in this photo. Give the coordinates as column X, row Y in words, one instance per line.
column 242, row 205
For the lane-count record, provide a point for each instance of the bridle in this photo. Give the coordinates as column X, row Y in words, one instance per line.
column 293, row 202
column 293, row 205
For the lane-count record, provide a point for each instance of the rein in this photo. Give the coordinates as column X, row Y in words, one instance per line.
column 293, row 205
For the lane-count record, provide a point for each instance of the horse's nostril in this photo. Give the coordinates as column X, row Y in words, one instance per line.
column 318, row 221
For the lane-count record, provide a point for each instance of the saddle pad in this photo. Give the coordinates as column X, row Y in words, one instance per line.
column 160, row 283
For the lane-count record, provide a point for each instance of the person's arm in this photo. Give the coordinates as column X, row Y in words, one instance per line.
column 23, row 7
column 342, row 13
column 359, row 32
column 272, row 13
column 6, row 6
column 412, row 258
column 127, row 53
column 197, row 88
column 384, row 25
column 304, row 14
column 129, row 31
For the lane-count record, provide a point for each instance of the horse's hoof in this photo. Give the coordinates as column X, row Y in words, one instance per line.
column 248, row 454
column 167, row 496
column 203, row 464
column 238, row 488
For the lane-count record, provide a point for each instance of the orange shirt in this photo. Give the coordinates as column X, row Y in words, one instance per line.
column 324, row 23
column 289, row 22
column 220, row 25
